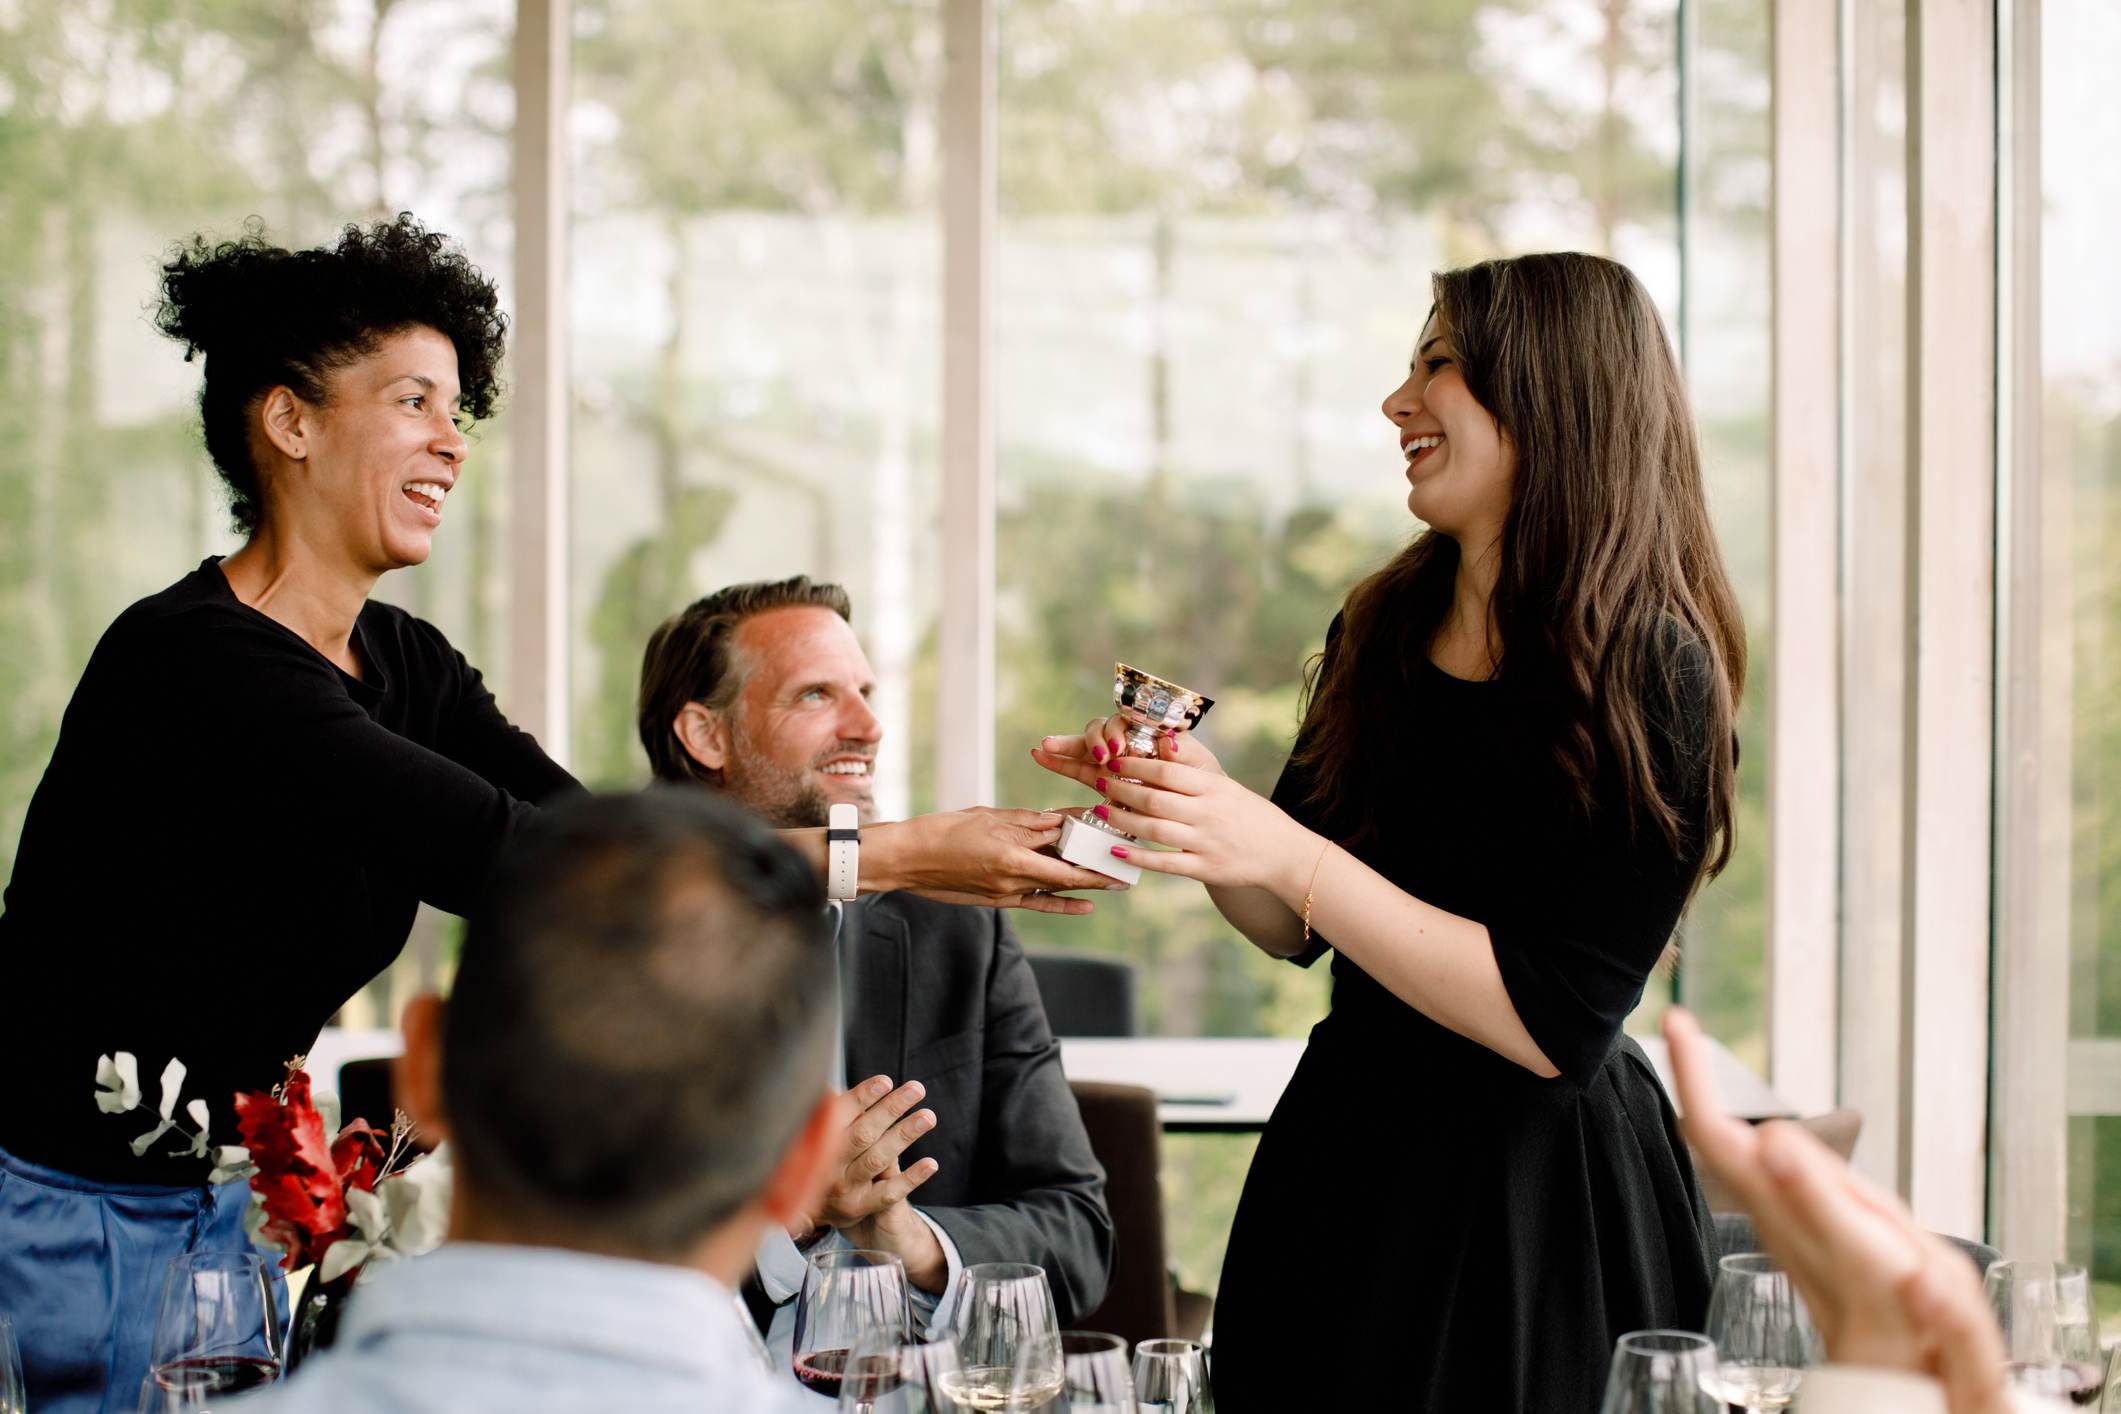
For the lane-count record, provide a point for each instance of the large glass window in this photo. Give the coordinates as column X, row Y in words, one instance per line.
column 755, row 276
column 123, row 128
column 2080, row 356
column 1725, row 338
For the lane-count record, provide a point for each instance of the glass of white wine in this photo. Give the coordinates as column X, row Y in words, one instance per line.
column 1764, row 1337
column 1007, row 1338
column 1660, row 1372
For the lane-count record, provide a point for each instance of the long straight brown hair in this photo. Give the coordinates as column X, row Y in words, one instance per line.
column 1607, row 558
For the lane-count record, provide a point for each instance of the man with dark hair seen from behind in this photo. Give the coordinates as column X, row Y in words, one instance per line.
column 966, row 1145
column 631, row 1072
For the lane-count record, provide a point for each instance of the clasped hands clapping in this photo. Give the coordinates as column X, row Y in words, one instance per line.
column 867, row 1198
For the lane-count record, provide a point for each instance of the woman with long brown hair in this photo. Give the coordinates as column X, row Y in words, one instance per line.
column 1515, row 765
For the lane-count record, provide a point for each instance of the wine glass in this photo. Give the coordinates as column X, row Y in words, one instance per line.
column 2049, row 1344
column 847, row 1293
column 217, row 1331
column 1661, row 1372
column 1170, row 1377
column 12, row 1398
column 1008, row 1340
column 1096, row 1373
column 888, row 1374
column 1763, row 1334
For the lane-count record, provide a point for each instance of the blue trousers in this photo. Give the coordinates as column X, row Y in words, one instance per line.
column 81, row 1271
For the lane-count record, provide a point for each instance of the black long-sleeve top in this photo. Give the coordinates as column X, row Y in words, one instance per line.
column 231, row 839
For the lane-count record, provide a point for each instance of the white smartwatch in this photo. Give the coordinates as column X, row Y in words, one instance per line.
column 843, row 853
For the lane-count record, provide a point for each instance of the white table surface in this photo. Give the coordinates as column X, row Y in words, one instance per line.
column 1229, row 1085
column 1204, row 1084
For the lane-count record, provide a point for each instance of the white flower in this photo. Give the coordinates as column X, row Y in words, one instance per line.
column 418, row 1203
column 231, row 1162
column 141, row 1145
column 172, row 1086
column 327, row 1103
column 365, row 1210
column 117, row 1083
column 254, row 1224
column 197, row 1148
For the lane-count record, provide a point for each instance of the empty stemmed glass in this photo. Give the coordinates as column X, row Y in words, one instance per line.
column 1007, row 1338
column 1661, row 1372
column 2049, row 1343
column 1096, row 1372
column 217, row 1331
column 847, row 1295
column 1763, row 1334
column 1170, row 1377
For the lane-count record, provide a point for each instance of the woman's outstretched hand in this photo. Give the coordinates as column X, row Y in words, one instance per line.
column 1215, row 830
column 980, row 856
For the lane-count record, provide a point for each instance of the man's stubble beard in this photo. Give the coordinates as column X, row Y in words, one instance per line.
column 786, row 799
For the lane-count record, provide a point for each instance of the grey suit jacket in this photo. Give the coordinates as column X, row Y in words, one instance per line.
column 942, row 994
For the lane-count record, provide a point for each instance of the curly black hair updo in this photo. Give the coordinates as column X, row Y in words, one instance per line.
column 266, row 317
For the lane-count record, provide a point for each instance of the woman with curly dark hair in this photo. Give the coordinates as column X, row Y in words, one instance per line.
column 1515, row 766
column 260, row 776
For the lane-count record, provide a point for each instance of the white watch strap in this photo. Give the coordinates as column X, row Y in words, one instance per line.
column 843, row 844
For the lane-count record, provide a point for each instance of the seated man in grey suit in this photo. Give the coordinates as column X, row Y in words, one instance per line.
column 967, row 1146
column 631, row 1074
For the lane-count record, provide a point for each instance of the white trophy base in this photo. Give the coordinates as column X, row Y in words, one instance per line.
column 1086, row 843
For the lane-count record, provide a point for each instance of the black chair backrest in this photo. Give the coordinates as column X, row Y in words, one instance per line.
column 1735, row 1233
column 1124, row 1134
column 1087, row 995
column 365, row 1091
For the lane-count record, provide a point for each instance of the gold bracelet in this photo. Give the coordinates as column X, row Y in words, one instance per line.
column 1308, row 888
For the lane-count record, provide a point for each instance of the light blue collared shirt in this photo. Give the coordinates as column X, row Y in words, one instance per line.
column 482, row 1326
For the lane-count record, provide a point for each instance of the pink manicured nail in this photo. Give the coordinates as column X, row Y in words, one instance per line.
column 1119, row 851
column 1099, row 753
column 1100, row 812
column 1100, row 785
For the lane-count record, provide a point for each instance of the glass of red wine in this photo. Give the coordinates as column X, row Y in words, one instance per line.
column 888, row 1374
column 218, row 1332
column 848, row 1295
column 2050, row 1344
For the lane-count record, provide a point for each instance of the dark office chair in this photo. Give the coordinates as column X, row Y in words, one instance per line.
column 1087, row 995
column 1734, row 1233
column 365, row 1091
column 1143, row 1300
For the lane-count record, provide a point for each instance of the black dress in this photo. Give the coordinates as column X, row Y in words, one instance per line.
column 1426, row 1225
column 231, row 839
